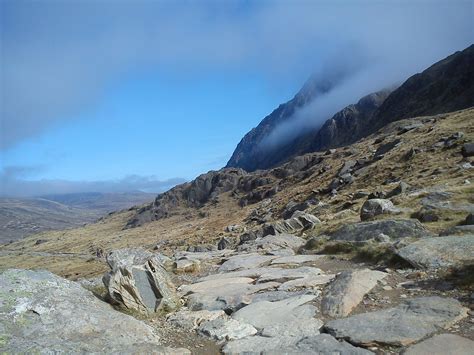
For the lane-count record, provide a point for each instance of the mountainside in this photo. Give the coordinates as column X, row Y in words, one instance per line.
column 446, row 86
column 343, row 243
column 20, row 217
column 248, row 154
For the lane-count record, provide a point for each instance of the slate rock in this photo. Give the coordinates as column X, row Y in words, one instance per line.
column 407, row 323
column 245, row 261
column 347, row 290
column 321, row 344
column 440, row 252
column 264, row 313
column 224, row 243
column 394, row 228
column 191, row 320
column 468, row 150
column 442, row 344
column 44, row 313
column 375, row 207
column 139, row 281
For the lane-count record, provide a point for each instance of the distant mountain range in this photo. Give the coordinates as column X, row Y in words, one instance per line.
column 20, row 217
column 446, row 86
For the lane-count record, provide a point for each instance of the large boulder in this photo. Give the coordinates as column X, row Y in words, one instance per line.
column 375, row 207
column 440, row 252
column 43, row 313
column 347, row 291
column 138, row 281
column 393, row 228
column 299, row 221
column 407, row 323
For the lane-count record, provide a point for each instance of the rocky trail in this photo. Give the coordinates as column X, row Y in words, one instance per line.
column 364, row 249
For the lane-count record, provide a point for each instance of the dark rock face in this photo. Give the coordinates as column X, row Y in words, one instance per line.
column 335, row 132
column 446, row 86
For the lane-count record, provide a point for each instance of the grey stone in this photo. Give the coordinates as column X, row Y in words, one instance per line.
column 458, row 230
column 347, row 291
column 245, row 261
column 347, row 167
column 442, row 344
column 469, row 219
column 273, row 242
column 395, row 229
column 468, row 150
column 224, row 243
column 375, row 207
column 43, row 313
column 263, row 314
column 187, row 265
column 298, row 328
column 227, row 329
column 139, row 281
column 407, row 323
column 440, row 252
column 215, row 285
column 321, row 344
column 296, row 259
column 306, row 282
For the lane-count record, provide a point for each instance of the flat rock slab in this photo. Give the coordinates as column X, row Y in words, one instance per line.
column 273, row 242
column 407, row 323
column 440, row 252
column 283, row 275
column 298, row 328
column 43, row 313
column 214, row 285
column 248, row 261
column 393, row 228
column 264, row 313
column 347, row 291
column 443, row 344
column 323, row 344
column 296, row 259
column 227, row 329
column 230, row 297
column 306, row 282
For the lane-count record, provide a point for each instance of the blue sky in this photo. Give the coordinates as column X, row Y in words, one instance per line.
column 147, row 93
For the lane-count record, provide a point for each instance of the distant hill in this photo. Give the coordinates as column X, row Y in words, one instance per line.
column 20, row 217
column 446, row 86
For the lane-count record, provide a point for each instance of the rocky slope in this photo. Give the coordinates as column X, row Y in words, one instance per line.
column 446, row 86
column 363, row 249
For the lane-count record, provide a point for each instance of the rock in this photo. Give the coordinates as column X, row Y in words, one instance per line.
column 296, row 259
column 216, row 284
column 291, row 207
column 407, row 323
column 402, row 188
column 201, row 248
column 43, row 313
column 442, row 344
column 224, row 243
column 469, row 219
column 426, row 215
column 235, row 228
column 294, row 329
column 457, row 230
column 273, row 242
column 139, row 281
column 360, row 194
column 191, row 320
column 284, row 275
column 323, row 344
column 440, row 252
column 468, row 150
column 405, row 129
column 264, row 313
column 395, row 229
column 347, row 291
column 187, row 265
column 347, row 167
column 306, row 282
column 248, row 237
column 227, row 329
column 375, row 207
column 385, row 148
column 246, row 261
column 298, row 222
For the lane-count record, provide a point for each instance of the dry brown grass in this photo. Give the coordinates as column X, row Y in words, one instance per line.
column 188, row 227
